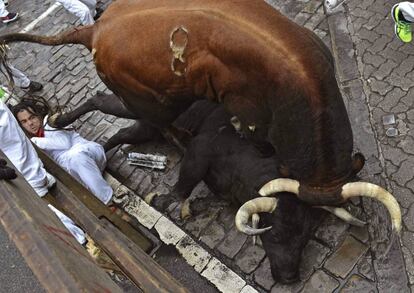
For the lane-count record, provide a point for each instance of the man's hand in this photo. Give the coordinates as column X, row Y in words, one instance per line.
column 6, row 173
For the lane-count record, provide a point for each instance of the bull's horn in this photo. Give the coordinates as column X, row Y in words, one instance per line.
column 255, row 224
column 280, row 185
column 343, row 214
column 379, row 193
column 256, row 205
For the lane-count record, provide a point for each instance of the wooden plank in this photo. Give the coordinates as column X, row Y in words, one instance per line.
column 94, row 204
column 131, row 258
column 59, row 262
column 133, row 261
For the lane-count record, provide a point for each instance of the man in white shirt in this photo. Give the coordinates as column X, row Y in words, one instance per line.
column 17, row 147
column 83, row 159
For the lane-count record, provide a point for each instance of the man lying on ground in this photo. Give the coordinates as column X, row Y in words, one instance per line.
column 85, row 160
column 19, row 150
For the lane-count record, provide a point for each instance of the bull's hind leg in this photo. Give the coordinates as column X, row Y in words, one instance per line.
column 108, row 104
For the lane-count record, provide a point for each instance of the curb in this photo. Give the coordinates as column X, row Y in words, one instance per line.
column 208, row 266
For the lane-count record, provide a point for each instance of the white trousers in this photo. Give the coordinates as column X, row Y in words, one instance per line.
column 20, row 79
column 407, row 9
column 77, row 232
column 3, row 10
column 86, row 162
column 84, row 9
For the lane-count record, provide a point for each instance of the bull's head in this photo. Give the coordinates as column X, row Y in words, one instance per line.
column 287, row 230
column 269, row 204
column 347, row 191
column 292, row 223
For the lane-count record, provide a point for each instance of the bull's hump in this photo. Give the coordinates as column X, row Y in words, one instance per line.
column 265, row 26
column 280, row 45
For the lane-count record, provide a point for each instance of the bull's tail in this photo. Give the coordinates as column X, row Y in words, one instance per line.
column 79, row 35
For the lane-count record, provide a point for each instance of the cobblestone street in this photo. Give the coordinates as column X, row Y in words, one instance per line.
column 375, row 73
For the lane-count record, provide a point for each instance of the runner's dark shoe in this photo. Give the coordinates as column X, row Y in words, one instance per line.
column 12, row 16
column 34, row 86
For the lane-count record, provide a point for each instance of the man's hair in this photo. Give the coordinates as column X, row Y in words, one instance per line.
column 33, row 106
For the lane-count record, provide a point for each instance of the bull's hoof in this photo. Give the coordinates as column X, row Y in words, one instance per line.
column 53, row 120
column 150, row 196
column 185, row 212
column 161, row 202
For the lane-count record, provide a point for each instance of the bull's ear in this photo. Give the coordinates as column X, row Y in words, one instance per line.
column 358, row 162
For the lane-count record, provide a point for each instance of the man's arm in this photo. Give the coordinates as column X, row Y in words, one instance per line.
column 55, row 140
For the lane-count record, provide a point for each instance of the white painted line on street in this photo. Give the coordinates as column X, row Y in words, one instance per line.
column 31, row 25
column 196, row 256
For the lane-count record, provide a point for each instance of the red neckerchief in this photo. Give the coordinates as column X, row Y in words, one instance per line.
column 40, row 132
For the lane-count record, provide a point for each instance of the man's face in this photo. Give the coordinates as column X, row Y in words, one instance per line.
column 29, row 121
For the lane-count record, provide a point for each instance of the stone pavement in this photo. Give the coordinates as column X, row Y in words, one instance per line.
column 374, row 72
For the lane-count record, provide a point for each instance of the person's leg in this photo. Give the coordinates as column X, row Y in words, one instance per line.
column 85, row 169
column 91, row 5
column 3, row 10
column 79, row 9
column 403, row 15
column 76, row 232
column 6, row 16
column 407, row 10
column 20, row 79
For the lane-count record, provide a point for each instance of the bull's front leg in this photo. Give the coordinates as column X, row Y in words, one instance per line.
column 108, row 104
column 193, row 169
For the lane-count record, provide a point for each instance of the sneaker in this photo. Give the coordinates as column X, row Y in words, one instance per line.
column 12, row 16
column 34, row 86
column 402, row 28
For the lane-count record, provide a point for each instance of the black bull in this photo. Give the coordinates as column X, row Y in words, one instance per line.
column 232, row 168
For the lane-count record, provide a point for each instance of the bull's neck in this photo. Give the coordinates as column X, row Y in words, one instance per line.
column 317, row 144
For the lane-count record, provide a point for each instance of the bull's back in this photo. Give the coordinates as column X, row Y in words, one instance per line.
column 233, row 32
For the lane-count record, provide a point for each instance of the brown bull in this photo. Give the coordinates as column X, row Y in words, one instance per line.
column 159, row 56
